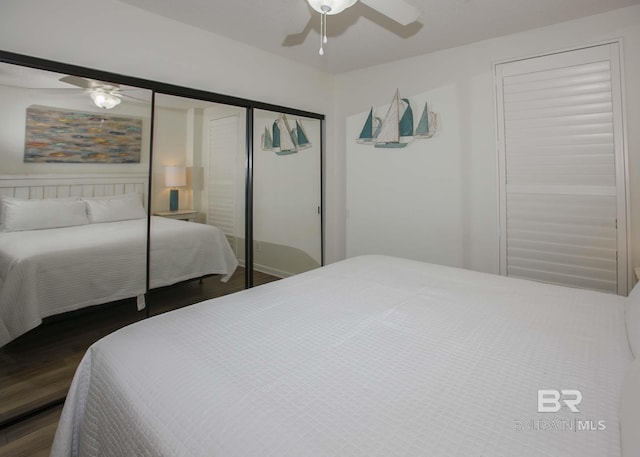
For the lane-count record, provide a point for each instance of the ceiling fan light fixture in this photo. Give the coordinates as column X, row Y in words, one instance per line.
column 330, row 6
column 104, row 99
column 325, row 7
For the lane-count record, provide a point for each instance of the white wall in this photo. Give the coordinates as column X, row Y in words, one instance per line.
column 169, row 149
column 399, row 200
column 446, row 190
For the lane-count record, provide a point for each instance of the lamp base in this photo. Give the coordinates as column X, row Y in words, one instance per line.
column 173, row 200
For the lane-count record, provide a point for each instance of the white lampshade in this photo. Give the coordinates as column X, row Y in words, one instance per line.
column 330, row 6
column 175, row 176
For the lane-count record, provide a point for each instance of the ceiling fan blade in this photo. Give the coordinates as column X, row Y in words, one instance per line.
column 398, row 10
column 295, row 39
column 296, row 15
column 58, row 90
column 76, row 81
column 86, row 83
column 138, row 99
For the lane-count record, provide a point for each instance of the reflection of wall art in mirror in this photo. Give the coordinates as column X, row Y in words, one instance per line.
column 57, row 135
column 285, row 140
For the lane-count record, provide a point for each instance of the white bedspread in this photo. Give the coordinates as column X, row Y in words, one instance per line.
column 370, row 356
column 47, row 272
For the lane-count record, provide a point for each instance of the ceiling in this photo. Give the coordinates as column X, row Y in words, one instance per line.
column 360, row 37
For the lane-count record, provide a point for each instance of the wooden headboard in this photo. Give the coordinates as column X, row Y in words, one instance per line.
column 31, row 187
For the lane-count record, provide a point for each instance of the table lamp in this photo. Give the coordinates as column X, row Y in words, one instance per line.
column 174, row 177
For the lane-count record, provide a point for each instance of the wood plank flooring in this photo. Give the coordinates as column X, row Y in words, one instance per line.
column 31, row 437
column 36, row 369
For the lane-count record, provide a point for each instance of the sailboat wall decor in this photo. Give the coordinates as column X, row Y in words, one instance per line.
column 370, row 130
column 427, row 125
column 396, row 130
column 284, row 140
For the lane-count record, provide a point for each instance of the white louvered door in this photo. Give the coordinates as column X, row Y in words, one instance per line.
column 223, row 150
column 562, row 168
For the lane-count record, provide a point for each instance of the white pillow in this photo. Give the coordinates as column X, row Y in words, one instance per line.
column 20, row 215
column 632, row 320
column 115, row 208
column 630, row 412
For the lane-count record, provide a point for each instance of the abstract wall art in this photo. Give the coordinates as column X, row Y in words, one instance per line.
column 66, row 136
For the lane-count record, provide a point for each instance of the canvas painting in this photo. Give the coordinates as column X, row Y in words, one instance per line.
column 56, row 135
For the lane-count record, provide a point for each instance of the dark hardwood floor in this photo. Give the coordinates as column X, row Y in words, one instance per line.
column 36, row 369
column 30, row 437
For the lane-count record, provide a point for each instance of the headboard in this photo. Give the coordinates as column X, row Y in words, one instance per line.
column 31, row 187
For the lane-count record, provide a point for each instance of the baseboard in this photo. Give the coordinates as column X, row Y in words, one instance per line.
column 272, row 271
column 267, row 270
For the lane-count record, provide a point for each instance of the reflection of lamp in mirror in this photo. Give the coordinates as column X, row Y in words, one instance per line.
column 174, row 177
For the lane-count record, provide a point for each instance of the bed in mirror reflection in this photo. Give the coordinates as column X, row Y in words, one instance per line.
column 87, row 245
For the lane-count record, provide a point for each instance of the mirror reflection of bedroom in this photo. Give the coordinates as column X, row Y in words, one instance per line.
column 197, row 201
column 199, row 168
column 91, row 200
column 287, row 197
column 73, row 176
column 73, row 215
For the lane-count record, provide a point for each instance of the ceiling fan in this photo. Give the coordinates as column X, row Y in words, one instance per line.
column 398, row 10
column 104, row 95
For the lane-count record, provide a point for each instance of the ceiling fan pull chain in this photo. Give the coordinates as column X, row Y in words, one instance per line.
column 324, row 34
column 323, row 27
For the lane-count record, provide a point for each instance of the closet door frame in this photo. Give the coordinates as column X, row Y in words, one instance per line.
column 623, row 202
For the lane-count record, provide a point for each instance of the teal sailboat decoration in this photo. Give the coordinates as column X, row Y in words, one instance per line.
column 267, row 141
column 300, row 137
column 396, row 130
column 371, row 129
column 284, row 140
column 397, row 127
column 427, row 124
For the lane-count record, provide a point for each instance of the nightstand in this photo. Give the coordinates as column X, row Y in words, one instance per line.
column 181, row 214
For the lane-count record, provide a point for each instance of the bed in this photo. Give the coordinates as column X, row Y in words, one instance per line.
column 59, row 255
column 369, row 356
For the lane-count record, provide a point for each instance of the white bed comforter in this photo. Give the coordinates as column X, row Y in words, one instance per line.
column 47, row 272
column 370, row 356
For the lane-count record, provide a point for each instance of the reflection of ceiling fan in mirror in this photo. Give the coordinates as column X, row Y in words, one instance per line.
column 104, row 95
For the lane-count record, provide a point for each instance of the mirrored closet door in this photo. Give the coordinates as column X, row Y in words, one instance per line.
column 74, row 161
column 287, row 222
column 198, row 201
column 119, row 201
